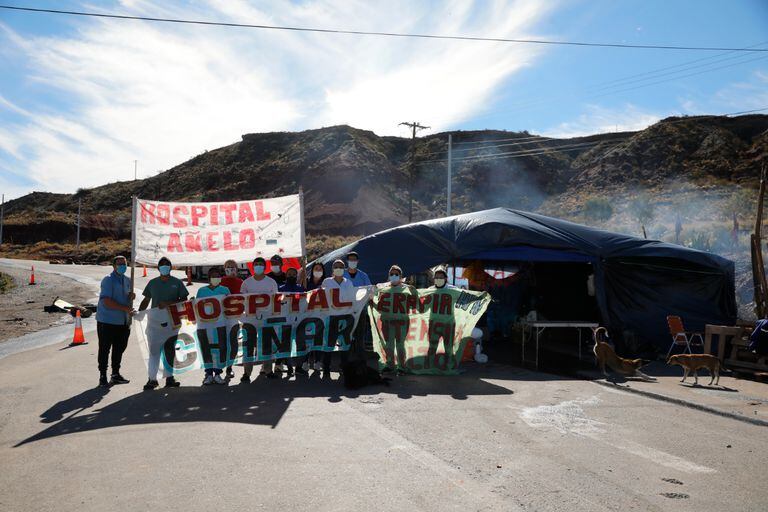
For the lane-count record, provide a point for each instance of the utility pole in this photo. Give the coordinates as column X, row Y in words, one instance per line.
column 414, row 126
column 450, row 163
column 2, row 211
column 77, row 242
column 135, row 168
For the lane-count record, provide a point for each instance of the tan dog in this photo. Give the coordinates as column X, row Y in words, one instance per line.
column 606, row 356
column 694, row 362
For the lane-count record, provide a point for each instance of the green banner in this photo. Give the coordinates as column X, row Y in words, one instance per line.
column 424, row 331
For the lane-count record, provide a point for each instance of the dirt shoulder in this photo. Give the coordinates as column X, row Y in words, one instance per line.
column 21, row 307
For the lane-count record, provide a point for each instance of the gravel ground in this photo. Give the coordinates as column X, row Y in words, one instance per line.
column 21, row 309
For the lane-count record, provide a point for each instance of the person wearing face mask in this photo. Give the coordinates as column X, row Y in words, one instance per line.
column 276, row 271
column 346, row 293
column 393, row 328
column 259, row 282
column 113, row 320
column 315, row 281
column 353, row 273
column 213, row 375
column 292, row 285
column 435, row 336
column 363, row 328
column 232, row 282
column 162, row 291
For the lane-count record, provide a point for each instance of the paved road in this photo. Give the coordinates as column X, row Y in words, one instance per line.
column 496, row 438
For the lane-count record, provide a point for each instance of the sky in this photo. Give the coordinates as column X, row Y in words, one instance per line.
column 82, row 99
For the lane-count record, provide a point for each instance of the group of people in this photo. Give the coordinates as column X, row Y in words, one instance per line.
column 116, row 298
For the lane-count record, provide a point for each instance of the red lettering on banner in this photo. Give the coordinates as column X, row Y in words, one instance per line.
column 181, row 310
column 247, row 239
column 424, row 302
column 295, row 301
column 147, row 213
column 233, row 305
column 228, row 241
column 198, row 212
column 260, row 213
column 227, row 210
column 424, row 331
column 163, row 214
column 256, row 302
column 336, row 299
column 317, row 300
column 383, row 305
column 178, row 220
column 202, row 312
column 211, row 242
column 246, row 215
column 214, row 215
column 277, row 302
column 174, row 243
column 192, row 242
column 445, row 304
column 398, row 303
column 412, row 330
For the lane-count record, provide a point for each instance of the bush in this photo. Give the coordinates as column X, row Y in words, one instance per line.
column 698, row 240
column 599, row 209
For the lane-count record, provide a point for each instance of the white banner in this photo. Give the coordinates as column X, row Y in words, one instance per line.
column 211, row 233
column 216, row 332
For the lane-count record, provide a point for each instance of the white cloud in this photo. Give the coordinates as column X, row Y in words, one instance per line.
column 597, row 119
column 161, row 93
column 748, row 95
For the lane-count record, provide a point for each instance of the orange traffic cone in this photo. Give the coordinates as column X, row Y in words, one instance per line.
column 189, row 276
column 79, row 337
column 144, row 274
column 32, row 276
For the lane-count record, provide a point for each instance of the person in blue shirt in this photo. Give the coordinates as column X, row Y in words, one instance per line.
column 362, row 330
column 213, row 375
column 354, row 274
column 113, row 320
column 292, row 285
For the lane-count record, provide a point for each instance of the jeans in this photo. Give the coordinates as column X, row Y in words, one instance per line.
column 212, row 371
column 114, row 337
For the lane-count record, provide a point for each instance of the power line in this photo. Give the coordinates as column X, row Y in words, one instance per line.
column 527, row 152
column 383, row 34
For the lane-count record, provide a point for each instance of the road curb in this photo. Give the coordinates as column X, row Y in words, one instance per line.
column 684, row 403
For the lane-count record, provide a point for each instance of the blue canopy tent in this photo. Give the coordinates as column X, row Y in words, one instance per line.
column 637, row 282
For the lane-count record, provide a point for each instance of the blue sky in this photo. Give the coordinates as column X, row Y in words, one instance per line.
column 82, row 98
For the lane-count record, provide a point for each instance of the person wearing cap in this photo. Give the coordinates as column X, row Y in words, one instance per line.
column 276, row 272
column 440, row 278
column 346, row 292
column 161, row 292
column 113, row 320
column 394, row 329
column 353, row 273
column 259, row 282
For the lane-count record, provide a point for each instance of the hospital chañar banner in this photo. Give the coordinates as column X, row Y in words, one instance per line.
column 424, row 331
column 211, row 233
column 219, row 331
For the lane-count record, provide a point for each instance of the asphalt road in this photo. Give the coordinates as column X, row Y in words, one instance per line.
column 496, row 438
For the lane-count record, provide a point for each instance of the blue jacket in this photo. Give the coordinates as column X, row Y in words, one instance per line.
column 117, row 288
column 360, row 279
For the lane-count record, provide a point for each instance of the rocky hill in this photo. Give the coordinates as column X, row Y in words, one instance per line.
column 356, row 182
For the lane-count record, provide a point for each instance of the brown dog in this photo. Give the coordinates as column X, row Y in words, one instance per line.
column 606, row 356
column 693, row 362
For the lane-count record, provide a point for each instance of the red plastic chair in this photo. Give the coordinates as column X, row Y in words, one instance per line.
column 682, row 337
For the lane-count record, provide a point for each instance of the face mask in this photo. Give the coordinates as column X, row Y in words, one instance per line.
column 439, row 282
column 230, row 271
column 338, row 272
column 165, row 270
column 290, row 279
column 215, row 281
column 121, row 269
column 276, row 268
column 317, row 273
column 258, row 269
column 394, row 279
column 352, row 265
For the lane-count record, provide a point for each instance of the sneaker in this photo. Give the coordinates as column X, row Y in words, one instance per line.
column 151, row 384
column 245, row 379
column 218, row 380
column 301, row 370
column 118, row 379
column 103, row 381
column 271, row 375
column 304, row 366
column 170, row 382
column 208, row 380
column 230, row 373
